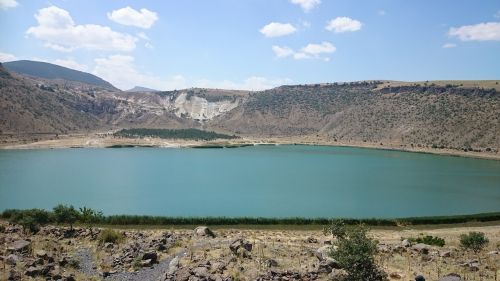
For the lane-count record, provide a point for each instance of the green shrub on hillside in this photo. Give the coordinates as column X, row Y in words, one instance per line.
column 428, row 239
column 66, row 214
column 474, row 241
column 110, row 236
column 355, row 252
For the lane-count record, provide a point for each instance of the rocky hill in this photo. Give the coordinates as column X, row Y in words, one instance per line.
column 430, row 115
column 423, row 114
column 52, row 71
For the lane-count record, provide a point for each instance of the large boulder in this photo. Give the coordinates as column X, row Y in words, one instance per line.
column 19, row 246
column 153, row 256
column 421, row 248
column 240, row 244
column 323, row 253
column 203, row 231
column 12, row 259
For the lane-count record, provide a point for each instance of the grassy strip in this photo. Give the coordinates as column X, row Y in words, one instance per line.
column 297, row 221
column 185, row 134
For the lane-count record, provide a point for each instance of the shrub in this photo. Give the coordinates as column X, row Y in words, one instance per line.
column 355, row 252
column 474, row 241
column 30, row 220
column 428, row 239
column 90, row 217
column 66, row 214
column 110, row 236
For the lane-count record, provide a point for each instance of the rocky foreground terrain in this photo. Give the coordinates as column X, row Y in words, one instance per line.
column 58, row 253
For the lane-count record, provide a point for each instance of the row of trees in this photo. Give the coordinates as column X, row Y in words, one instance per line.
column 32, row 219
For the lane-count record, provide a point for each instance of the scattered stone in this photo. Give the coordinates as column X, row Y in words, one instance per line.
column 150, row 256
column 204, row 231
column 323, row 252
column 405, row 243
column 19, row 246
column 270, row 263
column 311, row 240
column 238, row 244
column 445, row 254
column 14, row 275
column 33, row 271
column 41, row 254
column 395, row 275
column 338, row 275
column 421, row 248
column 12, row 259
column 451, row 277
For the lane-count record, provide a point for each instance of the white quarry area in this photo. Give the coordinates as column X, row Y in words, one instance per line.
column 201, row 109
column 194, row 107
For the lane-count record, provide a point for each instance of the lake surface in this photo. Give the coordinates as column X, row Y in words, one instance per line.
column 269, row 181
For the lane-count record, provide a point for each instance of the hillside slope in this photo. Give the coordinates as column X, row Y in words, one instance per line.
column 397, row 113
column 440, row 116
column 52, row 71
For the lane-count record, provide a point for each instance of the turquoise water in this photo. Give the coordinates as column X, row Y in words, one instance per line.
column 270, row 181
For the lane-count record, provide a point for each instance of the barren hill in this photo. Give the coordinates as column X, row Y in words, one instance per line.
column 447, row 114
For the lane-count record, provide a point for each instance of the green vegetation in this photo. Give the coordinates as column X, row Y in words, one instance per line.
column 355, row 252
column 428, row 239
column 186, row 134
column 67, row 214
column 474, row 241
column 30, row 220
column 90, row 217
column 110, row 236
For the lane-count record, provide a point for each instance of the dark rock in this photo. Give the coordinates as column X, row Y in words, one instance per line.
column 451, row 277
column 240, row 244
column 33, row 271
column 153, row 256
column 311, row 240
column 270, row 263
column 419, row 278
column 327, row 265
column 14, row 275
column 12, row 259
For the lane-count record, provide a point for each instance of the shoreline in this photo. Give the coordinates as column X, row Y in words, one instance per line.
column 106, row 141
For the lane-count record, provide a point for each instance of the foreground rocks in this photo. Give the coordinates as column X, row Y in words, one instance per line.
column 232, row 254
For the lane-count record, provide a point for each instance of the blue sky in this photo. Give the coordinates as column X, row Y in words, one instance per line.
column 256, row 44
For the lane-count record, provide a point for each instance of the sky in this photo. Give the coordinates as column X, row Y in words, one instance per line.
column 256, row 44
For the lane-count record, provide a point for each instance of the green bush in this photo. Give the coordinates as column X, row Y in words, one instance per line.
column 30, row 220
column 110, row 236
column 428, row 239
column 66, row 214
column 474, row 241
column 355, row 252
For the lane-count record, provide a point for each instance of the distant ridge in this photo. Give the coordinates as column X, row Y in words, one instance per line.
column 52, row 71
column 139, row 89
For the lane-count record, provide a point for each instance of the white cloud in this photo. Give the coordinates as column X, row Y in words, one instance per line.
column 276, row 29
column 57, row 28
column 310, row 51
column 7, row 4
column 148, row 45
column 282, row 52
column 449, row 45
column 382, row 13
column 306, row 5
column 489, row 31
column 343, row 24
column 253, row 83
column 128, row 16
column 5, row 57
column 70, row 63
column 143, row 36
